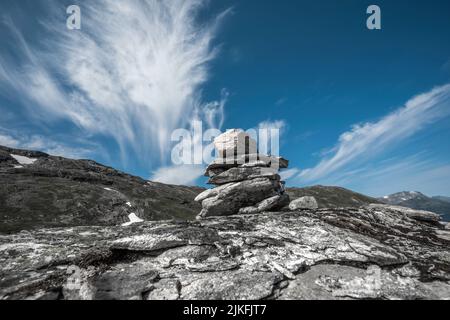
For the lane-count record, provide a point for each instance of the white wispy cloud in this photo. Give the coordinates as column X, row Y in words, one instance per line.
column 8, row 141
column 288, row 174
column 44, row 144
column 367, row 141
column 133, row 72
column 178, row 175
column 281, row 102
column 418, row 172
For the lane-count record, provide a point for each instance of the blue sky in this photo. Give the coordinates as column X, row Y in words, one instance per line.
column 363, row 109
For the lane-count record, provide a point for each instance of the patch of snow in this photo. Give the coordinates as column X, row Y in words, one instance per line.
column 386, row 197
column 129, row 204
column 18, row 167
column 23, row 160
column 133, row 219
column 109, row 189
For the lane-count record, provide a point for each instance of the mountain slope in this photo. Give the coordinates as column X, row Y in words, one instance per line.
column 332, row 197
column 442, row 198
column 38, row 190
column 419, row 201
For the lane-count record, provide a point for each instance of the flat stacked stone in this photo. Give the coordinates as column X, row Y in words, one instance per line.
column 245, row 182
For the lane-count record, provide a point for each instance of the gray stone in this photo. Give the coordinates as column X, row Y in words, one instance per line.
column 328, row 282
column 268, row 161
column 209, row 193
column 241, row 174
column 258, row 163
column 149, row 243
column 253, row 285
column 165, row 289
column 303, row 203
column 232, row 197
column 124, row 282
column 211, row 172
column 420, row 215
column 273, row 203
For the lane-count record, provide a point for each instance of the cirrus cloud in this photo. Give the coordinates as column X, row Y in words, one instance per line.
column 366, row 141
column 132, row 73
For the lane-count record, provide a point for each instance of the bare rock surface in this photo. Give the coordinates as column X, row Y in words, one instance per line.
column 412, row 213
column 246, row 160
column 372, row 252
column 241, row 174
column 304, row 203
column 232, row 197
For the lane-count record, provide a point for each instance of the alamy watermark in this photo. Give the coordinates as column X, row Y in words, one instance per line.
column 197, row 147
column 374, row 20
column 73, row 22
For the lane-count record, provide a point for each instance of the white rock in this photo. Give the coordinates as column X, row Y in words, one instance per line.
column 235, row 142
column 304, row 203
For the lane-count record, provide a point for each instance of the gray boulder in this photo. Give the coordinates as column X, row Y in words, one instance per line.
column 228, row 199
column 239, row 160
column 420, row 215
column 235, row 142
column 304, row 203
column 241, row 174
column 270, row 204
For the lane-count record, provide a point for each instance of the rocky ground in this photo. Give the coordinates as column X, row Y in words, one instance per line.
column 374, row 252
column 74, row 229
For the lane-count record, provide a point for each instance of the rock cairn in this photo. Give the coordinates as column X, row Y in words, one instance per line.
column 246, row 182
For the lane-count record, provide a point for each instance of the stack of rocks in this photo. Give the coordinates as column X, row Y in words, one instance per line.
column 246, row 182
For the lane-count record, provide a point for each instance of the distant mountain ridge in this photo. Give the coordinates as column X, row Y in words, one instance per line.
column 442, row 198
column 419, row 201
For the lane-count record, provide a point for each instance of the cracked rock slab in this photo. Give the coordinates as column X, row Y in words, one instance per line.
column 347, row 253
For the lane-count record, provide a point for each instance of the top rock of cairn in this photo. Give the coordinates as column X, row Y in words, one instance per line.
column 246, row 182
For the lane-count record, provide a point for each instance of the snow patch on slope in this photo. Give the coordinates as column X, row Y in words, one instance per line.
column 23, row 160
column 133, row 219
